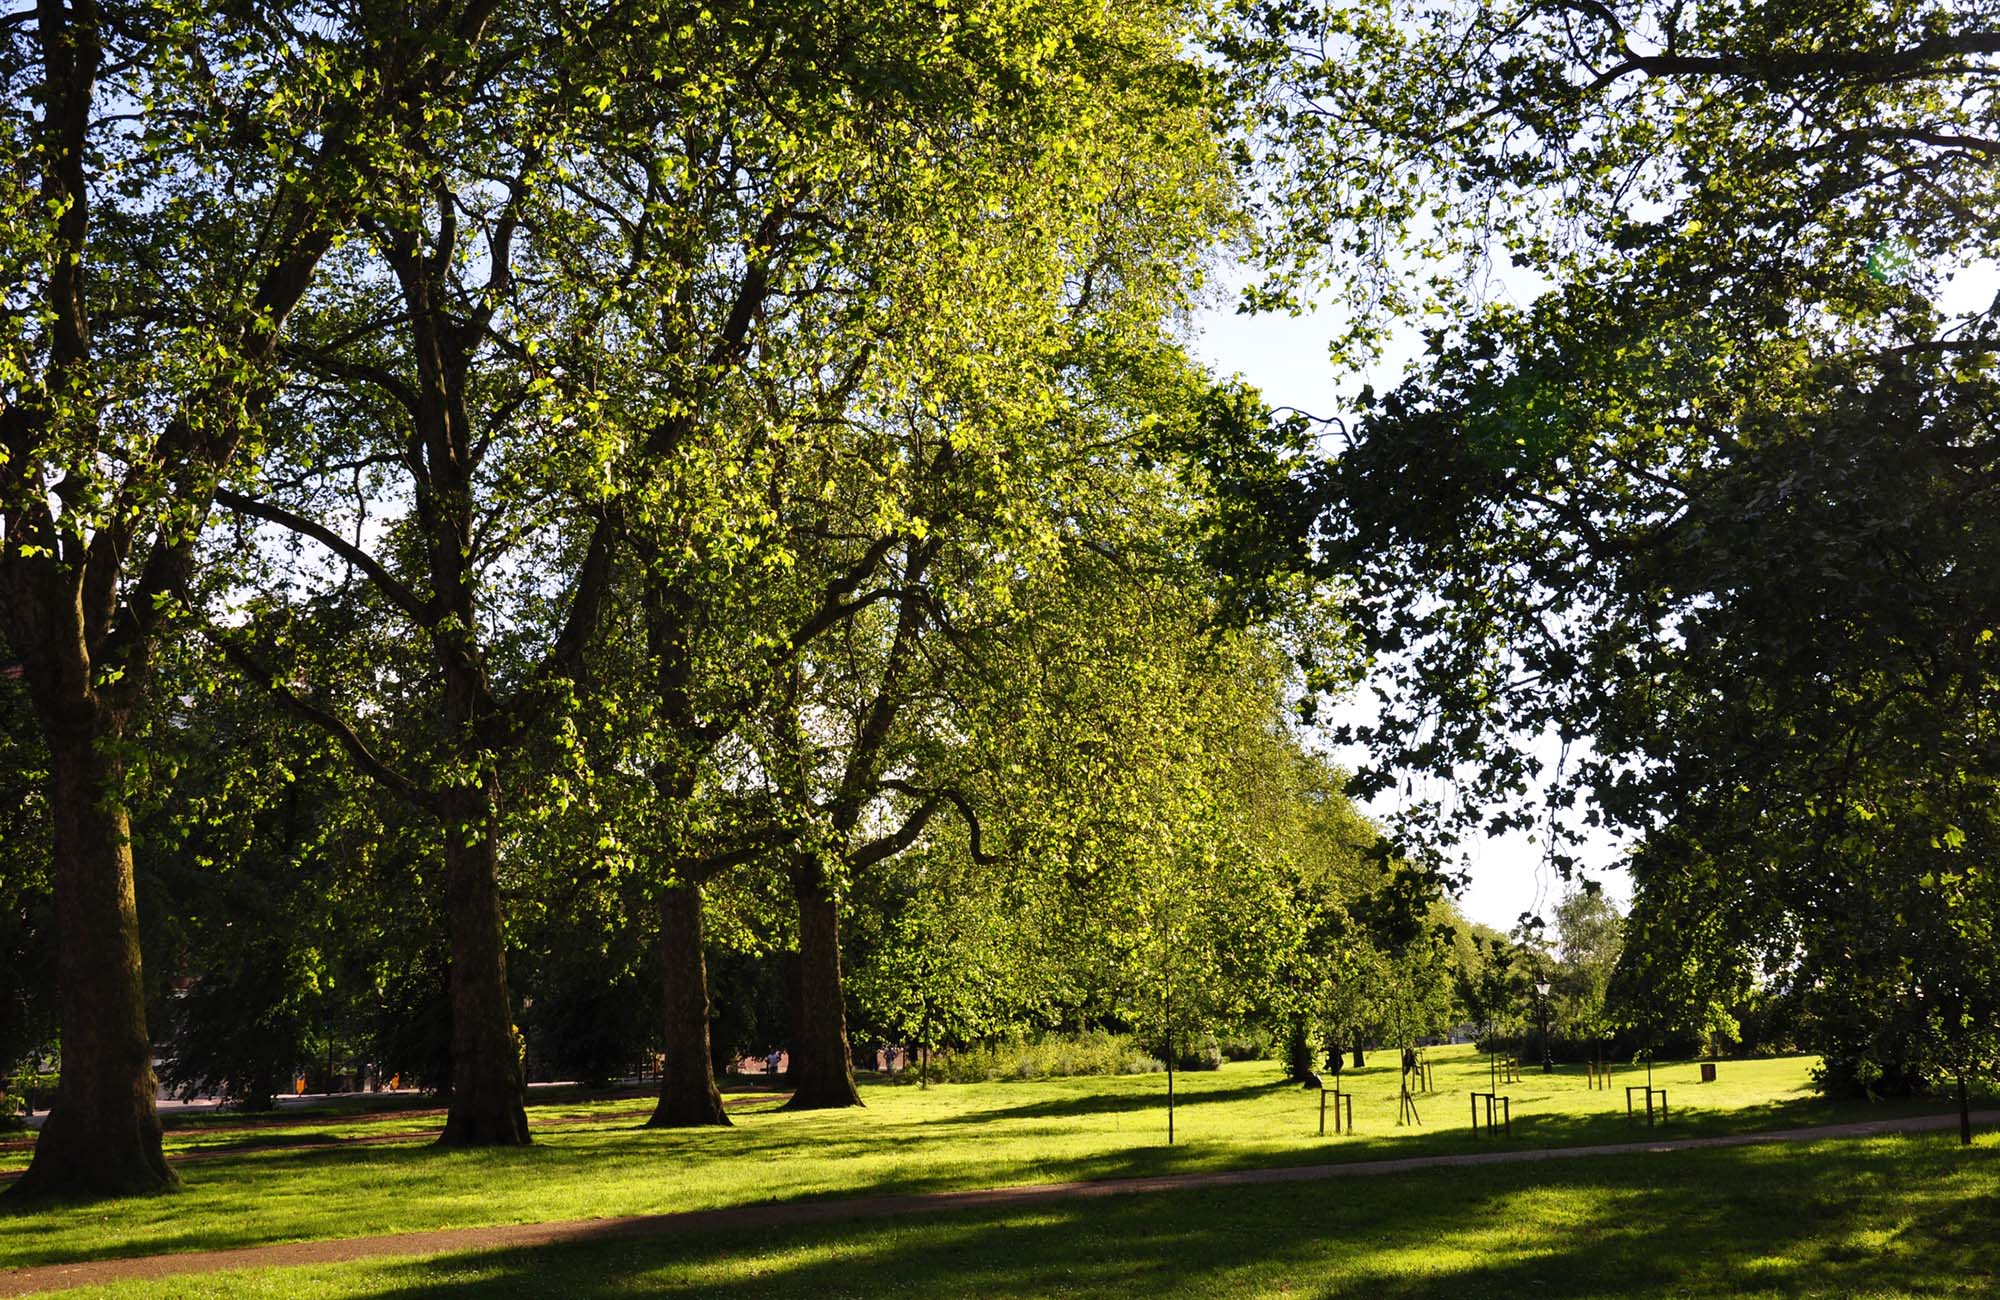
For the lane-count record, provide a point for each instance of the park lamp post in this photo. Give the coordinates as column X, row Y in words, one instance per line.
column 1542, row 1005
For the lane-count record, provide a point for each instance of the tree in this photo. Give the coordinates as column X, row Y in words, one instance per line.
column 1185, row 897
column 266, row 904
column 411, row 366
column 1690, row 514
column 947, row 966
column 1420, row 999
column 1495, row 988
column 151, row 272
column 1352, row 999
column 1589, row 939
column 831, row 352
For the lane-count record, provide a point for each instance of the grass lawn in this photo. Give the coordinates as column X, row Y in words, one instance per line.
column 1886, row 1217
column 952, row 1136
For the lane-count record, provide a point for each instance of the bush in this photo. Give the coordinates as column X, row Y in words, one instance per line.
column 1253, row 1045
column 37, row 1090
column 1202, row 1054
column 1857, row 1075
column 1051, row 1056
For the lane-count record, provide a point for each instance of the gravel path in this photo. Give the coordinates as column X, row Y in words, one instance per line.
column 29, row 1281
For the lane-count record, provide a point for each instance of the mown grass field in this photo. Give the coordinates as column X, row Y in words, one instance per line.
column 976, row 1135
column 1885, row 1218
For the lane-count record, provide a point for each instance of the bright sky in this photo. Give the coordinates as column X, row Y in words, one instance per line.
column 1286, row 357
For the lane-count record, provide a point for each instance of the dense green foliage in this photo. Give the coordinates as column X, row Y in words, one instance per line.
column 721, row 485
column 1708, row 521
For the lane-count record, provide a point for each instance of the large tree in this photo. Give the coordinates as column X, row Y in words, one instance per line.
column 151, row 266
column 836, row 344
column 1706, row 512
column 437, row 463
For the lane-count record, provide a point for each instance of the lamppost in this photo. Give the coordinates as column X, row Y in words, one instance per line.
column 1542, row 1005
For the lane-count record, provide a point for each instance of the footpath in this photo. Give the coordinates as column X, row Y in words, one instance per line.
column 446, row 1241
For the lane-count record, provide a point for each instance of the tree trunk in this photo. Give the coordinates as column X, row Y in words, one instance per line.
column 688, row 1095
column 102, row 1137
column 792, row 969
column 487, row 1090
column 1964, row 1113
column 1298, row 1050
column 822, row 1070
column 1360, row 1061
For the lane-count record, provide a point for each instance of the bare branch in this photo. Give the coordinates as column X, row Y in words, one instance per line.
column 385, row 582
column 957, row 799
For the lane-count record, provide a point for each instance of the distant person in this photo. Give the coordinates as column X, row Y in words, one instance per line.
column 771, row 1061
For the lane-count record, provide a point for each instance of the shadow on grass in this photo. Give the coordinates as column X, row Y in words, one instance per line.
column 1905, row 1217
column 1118, row 1103
column 269, row 1142
column 322, row 1190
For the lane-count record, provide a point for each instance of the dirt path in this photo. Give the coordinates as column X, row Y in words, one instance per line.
column 51, row 1277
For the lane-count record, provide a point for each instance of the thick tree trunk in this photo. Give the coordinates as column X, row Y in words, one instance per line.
column 1298, row 1050
column 688, row 1095
column 792, row 969
column 487, row 1090
column 102, row 1137
column 822, row 1071
column 1360, row 1060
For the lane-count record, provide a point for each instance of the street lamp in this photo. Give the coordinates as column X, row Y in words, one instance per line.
column 1542, row 1000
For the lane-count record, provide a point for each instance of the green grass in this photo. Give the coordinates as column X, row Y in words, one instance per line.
column 1888, row 1217
column 907, row 1140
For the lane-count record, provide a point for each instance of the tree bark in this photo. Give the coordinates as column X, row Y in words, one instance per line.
column 1360, row 1060
column 487, row 1089
column 793, row 971
column 102, row 1137
column 822, row 1070
column 688, row 1095
column 1964, row 1113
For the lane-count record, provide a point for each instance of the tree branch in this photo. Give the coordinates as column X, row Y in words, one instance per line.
column 325, row 719
column 385, row 582
column 957, row 799
column 905, row 835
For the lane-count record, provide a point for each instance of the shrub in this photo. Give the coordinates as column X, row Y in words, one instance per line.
column 1202, row 1054
column 1051, row 1056
column 1252, row 1045
column 37, row 1090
